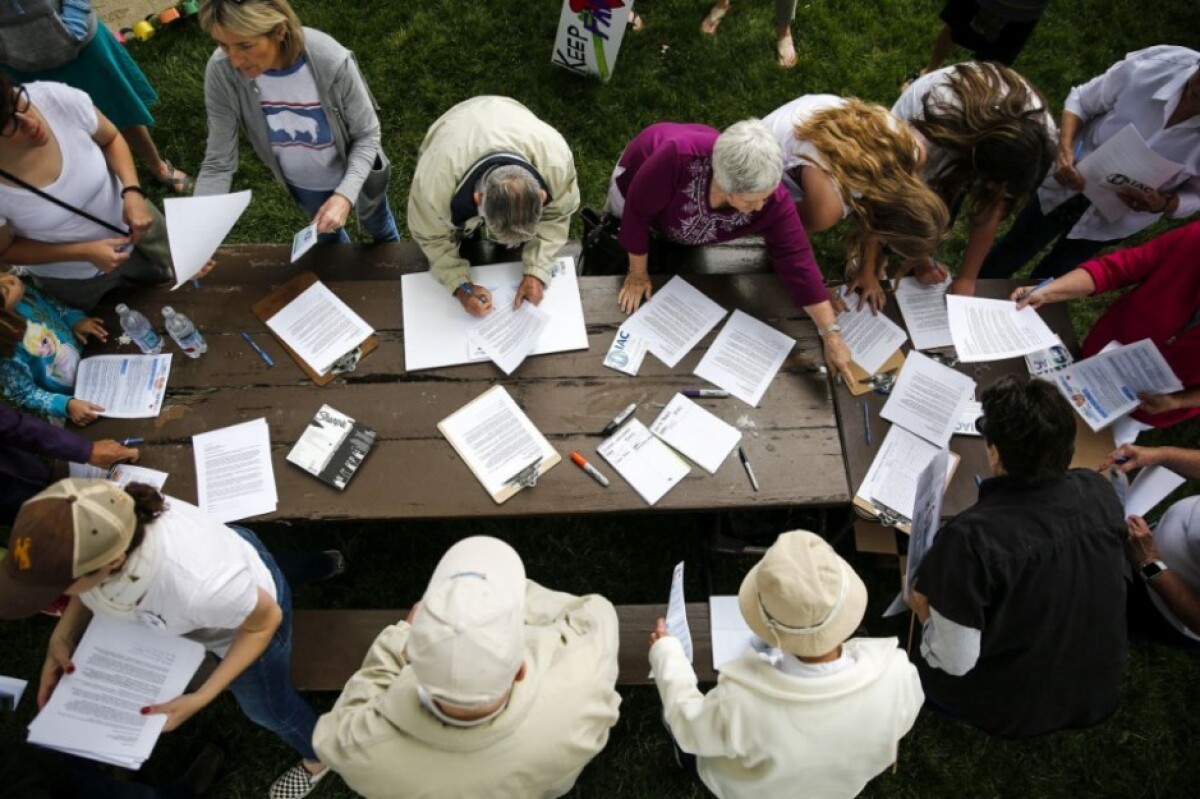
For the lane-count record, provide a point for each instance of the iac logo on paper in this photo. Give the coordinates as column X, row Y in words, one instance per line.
column 626, row 353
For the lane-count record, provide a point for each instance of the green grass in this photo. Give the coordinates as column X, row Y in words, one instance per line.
column 422, row 57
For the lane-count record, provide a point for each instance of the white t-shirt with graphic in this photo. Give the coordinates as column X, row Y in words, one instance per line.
column 299, row 129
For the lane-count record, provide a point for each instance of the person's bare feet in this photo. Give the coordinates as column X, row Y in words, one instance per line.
column 713, row 20
column 787, row 51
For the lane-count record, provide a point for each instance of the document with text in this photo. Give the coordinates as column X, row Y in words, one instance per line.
column 924, row 310
column 696, row 433
column 674, row 320
column 745, row 357
column 891, row 482
column 234, row 475
column 506, row 335
column 926, row 520
column 122, row 474
column 645, row 462
column 992, row 330
column 928, row 399
column 872, row 338
column 126, row 386
column 1124, row 159
column 319, row 327
column 1105, row 387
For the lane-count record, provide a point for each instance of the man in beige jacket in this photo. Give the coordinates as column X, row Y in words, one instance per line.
column 489, row 162
column 495, row 687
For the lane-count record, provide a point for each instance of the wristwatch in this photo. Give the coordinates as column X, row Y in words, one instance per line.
column 1151, row 569
column 825, row 331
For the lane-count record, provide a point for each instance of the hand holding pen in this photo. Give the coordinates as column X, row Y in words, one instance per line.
column 1030, row 295
column 476, row 300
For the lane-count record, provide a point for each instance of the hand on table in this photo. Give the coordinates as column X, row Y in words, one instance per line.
column 107, row 452
column 837, row 356
column 90, row 326
column 962, row 286
column 872, row 292
column 477, row 301
column 531, row 289
column 635, row 289
column 930, row 271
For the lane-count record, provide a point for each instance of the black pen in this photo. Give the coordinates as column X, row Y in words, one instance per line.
column 867, row 423
column 749, row 469
column 618, row 420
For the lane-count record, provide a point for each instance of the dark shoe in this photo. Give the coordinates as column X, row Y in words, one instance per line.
column 338, row 561
column 203, row 772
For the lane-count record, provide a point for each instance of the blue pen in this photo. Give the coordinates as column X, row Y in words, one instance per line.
column 1121, row 459
column 261, row 352
column 132, row 442
column 978, row 481
column 196, row 284
column 1026, row 295
column 465, row 288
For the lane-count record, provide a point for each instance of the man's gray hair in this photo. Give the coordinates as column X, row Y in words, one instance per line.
column 512, row 204
column 747, row 159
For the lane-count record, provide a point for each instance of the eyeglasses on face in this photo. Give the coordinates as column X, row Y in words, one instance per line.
column 20, row 106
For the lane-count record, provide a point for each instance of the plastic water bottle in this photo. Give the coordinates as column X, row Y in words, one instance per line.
column 139, row 329
column 184, row 332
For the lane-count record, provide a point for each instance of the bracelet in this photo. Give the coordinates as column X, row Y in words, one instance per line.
column 135, row 190
column 833, row 328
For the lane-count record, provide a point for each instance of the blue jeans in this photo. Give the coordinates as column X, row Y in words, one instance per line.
column 381, row 224
column 264, row 690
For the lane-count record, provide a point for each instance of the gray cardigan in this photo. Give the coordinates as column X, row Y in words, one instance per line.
column 232, row 101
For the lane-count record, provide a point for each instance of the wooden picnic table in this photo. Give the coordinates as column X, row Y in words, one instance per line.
column 413, row 472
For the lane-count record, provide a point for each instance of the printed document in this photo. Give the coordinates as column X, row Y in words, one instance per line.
column 234, row 475
column 892, row 479
column 927, row 518
column 1152, row 485
column 497, row 441
column 122, row 474
column 303, row 241
column 1123, row 160
column 872, row 338
column 924, row 310
column 646, row 463
column 928, row 398
column 120, row 667
column 126, row 386
column 696, row 433
column 197, row 226
column 745, row 357
column 992, row 330
column 731, row 636
column 674, row 320
column 319, row 327
column 507, row 336
column 626, row 352
column 676, row 619
column 1105, row 387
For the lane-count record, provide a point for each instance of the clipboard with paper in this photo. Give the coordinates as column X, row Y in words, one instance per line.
column 888, row 493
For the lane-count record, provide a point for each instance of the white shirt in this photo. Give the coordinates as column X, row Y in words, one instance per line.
column 299, row 129
column 782, row 122
column 1178, row 540
column 207, row 583
column 1142, row 90
column 84, row 182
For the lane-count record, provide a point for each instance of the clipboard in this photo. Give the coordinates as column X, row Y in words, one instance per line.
column 881, row 515
column 860, row 386
column 275, row 302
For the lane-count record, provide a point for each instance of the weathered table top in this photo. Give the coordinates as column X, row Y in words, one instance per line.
column 962, row 492
column 791, row 440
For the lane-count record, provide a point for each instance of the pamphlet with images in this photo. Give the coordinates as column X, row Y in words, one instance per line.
column 332, row 447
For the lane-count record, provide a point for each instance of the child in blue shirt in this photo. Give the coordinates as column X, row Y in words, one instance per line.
column 46, row 338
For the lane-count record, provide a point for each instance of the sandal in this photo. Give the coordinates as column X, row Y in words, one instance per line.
column 786, row 49
column 636, row 23
column 179, row 182
column 713, row 20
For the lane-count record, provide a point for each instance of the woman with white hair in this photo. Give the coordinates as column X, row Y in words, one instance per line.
column 695, row 186
column 306, row 110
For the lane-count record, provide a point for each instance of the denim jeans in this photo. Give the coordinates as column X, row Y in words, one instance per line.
column 1032, row 231
column 381, row 224
column 264, row 690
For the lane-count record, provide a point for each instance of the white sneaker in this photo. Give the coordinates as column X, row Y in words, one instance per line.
column 296, row 783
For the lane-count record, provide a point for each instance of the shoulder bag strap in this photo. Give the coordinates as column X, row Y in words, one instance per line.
column 51, row 198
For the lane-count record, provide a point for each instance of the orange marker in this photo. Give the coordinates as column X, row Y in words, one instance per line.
column 592, row 471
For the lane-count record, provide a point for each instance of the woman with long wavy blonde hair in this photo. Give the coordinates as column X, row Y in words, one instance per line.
column 845, row 158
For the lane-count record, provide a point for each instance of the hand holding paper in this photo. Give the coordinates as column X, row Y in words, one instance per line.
column 197, row 226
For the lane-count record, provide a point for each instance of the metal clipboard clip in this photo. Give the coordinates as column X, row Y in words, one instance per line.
column 527, row 477
column 888, row 517
column 347, row 363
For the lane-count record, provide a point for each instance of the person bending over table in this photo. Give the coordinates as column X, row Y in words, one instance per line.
column 1164, row 605
column 847, row 158
column 1021, row 597
column 490, row 166
column 1164, row 306
column 131, row 553
column 989, row 141
column 1157, row 90
column 54, row 141
column 695, row 186
column 306, row 111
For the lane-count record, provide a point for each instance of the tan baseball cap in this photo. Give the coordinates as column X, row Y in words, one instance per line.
column 468, row 635
column 802, row 597
column 71, row 529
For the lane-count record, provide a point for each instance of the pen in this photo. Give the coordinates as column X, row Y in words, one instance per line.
column 705, row 393
column 132, row 442
column 592, row 471
column 196, row 284
column 867, row 423
column 618, row 420
column 261, row 352
column 749, row 469
column 1121, row 459
column 1041, row 285
column 465, row 288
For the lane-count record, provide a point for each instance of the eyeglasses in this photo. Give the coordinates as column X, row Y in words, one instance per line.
column 20, row 106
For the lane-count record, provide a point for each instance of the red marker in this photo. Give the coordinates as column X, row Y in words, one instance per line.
column 592, row 471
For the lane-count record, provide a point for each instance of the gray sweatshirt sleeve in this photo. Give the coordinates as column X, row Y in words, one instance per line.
column 362, row 123
column 949, row 646
column 224, row 120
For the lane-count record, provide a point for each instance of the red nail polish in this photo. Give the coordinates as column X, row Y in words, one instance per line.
column 145, row 711
column 70, row 669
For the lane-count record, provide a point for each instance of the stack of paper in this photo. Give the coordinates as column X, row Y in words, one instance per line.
column 745, row 357
column 120, row 667
column 506, row 335
column 122, row 474
column 319, row 327
column 234, row 475
column 1105, row 387
column 674, row 320
column 924, row 311
column 696, row 433
column 646, row 463
column 992, row 330
column 928, row 399
column 125, row 386
column 872, row 338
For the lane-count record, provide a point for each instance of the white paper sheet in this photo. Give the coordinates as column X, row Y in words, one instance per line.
column 304, row 240
column 1104, row 388
column 697, row 433
column 11, row 691
column 626, row 352
column 731, row 636
column 126, row 386
column 674, row 320
column 872, row 338
column 122, row 474
column 1126, row 431
column 924, row 311
column 745, row 357
column 927, row 518
column 1152, row 485
column 234, row 475
column 1123, row 160
column 992, row 330
column 892, row 479
column 120, row 667
column 645, row 462
column 928, row 398
column 197, row 226
column 436, row 327
column 507, row 336
column 676, row 618
column 319, row 327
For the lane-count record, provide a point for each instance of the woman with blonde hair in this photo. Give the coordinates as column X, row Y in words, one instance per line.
column 989, row 140
column 845, row 158
column 304, row 106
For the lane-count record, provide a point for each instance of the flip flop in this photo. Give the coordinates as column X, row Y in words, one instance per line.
column 179, row 181
column 713, row 20
column 786, row 50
